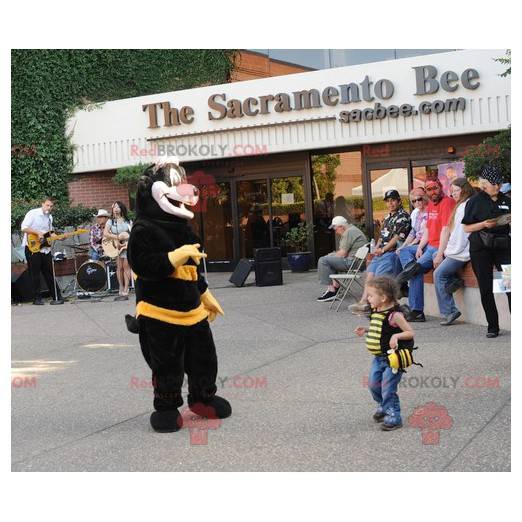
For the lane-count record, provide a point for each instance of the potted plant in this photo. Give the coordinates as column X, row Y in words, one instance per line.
column 297, row 239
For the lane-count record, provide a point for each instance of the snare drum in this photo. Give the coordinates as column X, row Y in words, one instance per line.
column 92, row 276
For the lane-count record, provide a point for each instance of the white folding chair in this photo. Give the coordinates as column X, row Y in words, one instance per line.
column 347, row 279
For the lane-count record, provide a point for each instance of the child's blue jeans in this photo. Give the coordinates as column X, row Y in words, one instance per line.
column 383, row 385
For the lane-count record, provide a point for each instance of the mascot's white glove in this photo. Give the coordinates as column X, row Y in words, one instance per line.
column 211, row 305
column 182, row 254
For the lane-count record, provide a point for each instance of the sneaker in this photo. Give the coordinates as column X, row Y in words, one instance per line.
column 411, row 270
column 492, row 335
column 359, row 308
column 454, row 285
column 38, row 301
column 451, row 318
column 391, row 427
column 378, row 416
column 327, row 296
column 415, row 316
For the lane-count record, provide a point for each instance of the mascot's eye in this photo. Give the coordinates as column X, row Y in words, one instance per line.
column 175, row 178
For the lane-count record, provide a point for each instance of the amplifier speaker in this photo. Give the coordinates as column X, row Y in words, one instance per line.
column 269, row 270
column 22, row 287
column 240, row 274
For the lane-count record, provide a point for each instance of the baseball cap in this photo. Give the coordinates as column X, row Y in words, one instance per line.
column 102, row 213
column 339, row 221
column 394, row 194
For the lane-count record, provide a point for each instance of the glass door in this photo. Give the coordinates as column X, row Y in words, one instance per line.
column 287, row 208
column 267, row 210
column 253, row 216
column 213, row 219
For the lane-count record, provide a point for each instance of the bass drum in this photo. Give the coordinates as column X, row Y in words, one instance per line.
column 92, row 276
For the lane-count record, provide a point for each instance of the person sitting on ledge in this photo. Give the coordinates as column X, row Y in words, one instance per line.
column 351, row 239
column 429, row 253
column 394, row 231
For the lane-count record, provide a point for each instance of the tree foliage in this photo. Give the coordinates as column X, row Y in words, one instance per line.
column 506, row 60
column 495, row 150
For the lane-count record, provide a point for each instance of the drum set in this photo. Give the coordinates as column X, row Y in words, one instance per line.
column 92, row 278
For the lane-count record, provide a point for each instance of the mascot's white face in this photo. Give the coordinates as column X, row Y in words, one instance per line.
column 172, row 192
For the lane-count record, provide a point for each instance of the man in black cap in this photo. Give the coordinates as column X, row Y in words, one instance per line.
column 395, row 228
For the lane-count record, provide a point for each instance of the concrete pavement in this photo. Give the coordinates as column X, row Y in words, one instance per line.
column 296, row 377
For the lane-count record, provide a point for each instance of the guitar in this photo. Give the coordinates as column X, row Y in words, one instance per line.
column 112, row 247
column 35, row 244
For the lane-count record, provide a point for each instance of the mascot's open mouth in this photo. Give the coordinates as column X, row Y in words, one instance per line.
column 172, row 199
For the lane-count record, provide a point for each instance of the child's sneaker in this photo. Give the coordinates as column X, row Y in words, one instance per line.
column 378, row 416
column 391, row 427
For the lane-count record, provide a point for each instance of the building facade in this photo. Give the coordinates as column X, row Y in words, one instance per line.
column 271, row 153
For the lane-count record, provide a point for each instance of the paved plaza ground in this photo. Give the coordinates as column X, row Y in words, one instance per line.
column 294, row 372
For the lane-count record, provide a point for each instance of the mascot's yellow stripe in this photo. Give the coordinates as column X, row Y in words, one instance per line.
column 171, row 316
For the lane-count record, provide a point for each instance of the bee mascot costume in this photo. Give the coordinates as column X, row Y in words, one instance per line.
column 173, row 303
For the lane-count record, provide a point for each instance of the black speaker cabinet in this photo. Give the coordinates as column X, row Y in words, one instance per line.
column 267, row 254
column 240, row 274
column 269, row 270
column 22, row 287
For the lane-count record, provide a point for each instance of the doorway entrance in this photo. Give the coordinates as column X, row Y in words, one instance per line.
column 236, row 216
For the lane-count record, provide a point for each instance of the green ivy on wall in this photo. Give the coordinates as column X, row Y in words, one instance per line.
column 47, row 85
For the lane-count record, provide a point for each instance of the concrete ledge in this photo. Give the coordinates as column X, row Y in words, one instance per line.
column 468, row 302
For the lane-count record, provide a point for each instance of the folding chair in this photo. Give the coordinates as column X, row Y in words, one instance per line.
column 347, row 279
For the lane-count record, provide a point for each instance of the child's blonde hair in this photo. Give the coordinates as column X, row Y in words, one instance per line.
column 386, row 286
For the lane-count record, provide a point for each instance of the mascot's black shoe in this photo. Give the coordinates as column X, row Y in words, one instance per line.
column 166, row 421
column 132, row 324
column 216, row 408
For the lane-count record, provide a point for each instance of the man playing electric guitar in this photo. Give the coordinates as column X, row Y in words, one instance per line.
column 39, row 221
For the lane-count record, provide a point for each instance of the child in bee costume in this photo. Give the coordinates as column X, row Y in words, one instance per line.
column 390, row 340
column 173, row 304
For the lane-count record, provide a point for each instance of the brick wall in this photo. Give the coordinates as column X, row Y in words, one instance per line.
column 96, row 189
column 251, row 66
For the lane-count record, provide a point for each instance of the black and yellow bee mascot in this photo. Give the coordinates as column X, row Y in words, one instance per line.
column 173, row 304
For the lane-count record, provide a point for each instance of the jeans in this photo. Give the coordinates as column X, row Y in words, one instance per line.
column 442, row 275
column 332, row 264
column 383, row 383
column 93, row 254
column 416, row 292
column 387, row 264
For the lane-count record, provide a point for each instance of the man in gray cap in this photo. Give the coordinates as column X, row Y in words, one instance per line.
column 351, row 239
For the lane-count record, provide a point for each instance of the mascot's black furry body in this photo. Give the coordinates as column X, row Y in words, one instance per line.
column 173, row 303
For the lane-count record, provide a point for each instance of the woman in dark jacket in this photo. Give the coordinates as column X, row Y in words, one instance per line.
column 487, row 219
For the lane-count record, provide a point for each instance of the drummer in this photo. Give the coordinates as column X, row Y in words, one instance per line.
column 96, row 234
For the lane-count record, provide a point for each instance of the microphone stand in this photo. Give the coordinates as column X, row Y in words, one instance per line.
column 205, row 268
column 55, row 301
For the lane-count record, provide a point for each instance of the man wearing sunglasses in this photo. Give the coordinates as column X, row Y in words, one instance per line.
column 429, row 253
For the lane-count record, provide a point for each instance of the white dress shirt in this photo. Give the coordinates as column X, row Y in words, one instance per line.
column 37, row 220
